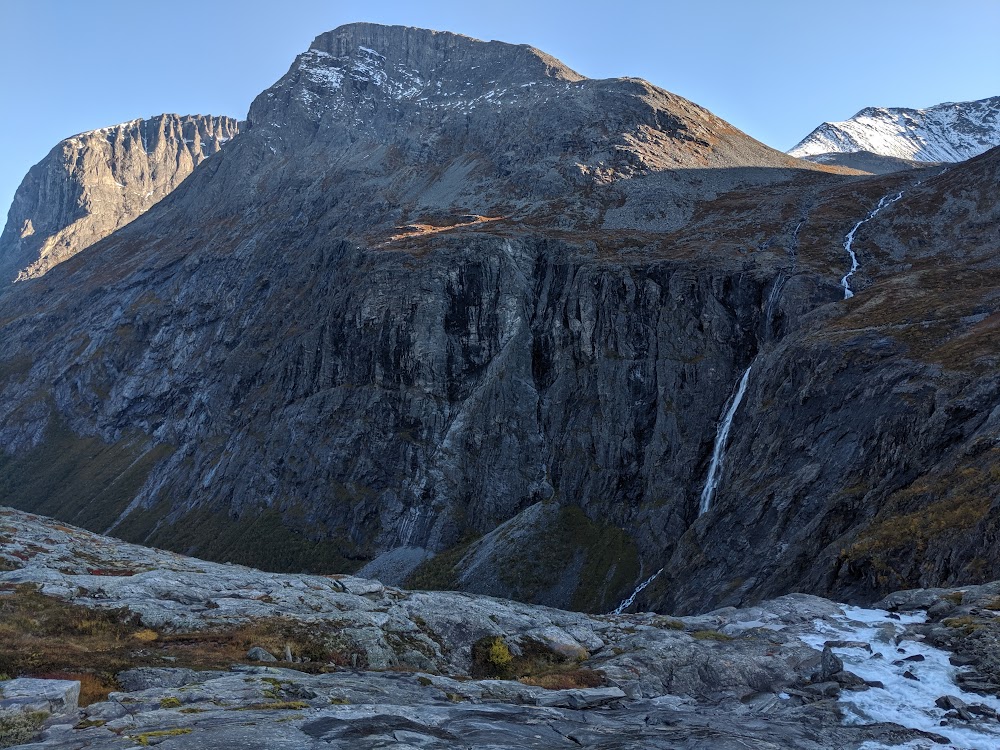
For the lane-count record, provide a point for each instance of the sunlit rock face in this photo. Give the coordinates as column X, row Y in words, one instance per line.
column 93, row 183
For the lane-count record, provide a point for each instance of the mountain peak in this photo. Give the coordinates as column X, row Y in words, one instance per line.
column 435, row 55
column 947, row 132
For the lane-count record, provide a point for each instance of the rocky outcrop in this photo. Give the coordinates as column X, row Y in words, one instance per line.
column 93, row 183
column 765, row 676
column 403, row 336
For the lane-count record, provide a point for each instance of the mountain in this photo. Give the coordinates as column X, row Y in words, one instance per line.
column 447, row 312
column 93, row 183
column 947, row 132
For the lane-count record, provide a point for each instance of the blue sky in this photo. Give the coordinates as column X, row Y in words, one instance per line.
column 774, row 69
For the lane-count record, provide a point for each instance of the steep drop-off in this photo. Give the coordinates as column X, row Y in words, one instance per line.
column 443, row 293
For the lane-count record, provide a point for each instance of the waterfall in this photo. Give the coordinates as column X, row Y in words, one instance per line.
column 719, row 451
column 849, row 240
column 628, row 602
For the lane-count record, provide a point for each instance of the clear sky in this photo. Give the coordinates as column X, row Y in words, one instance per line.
column 774, row 69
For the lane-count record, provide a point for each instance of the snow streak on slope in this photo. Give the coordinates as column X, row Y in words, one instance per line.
column 946, row 132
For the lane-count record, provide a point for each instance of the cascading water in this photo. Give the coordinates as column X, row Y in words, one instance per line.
column 638, row 589
column 719, row 450
column 849, row 240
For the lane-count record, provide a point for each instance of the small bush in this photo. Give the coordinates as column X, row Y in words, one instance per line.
column 146, row 635
column 18, row 728
column 538, row 665
column 491, row 658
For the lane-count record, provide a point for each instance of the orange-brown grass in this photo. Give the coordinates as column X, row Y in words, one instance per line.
column 423, row 229
column 94, row 688
column 39, row 634
column 537, row 664
column 44, row 636
column 566, row 680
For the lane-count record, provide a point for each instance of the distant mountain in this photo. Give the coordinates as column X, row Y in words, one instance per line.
column 93, row 183
column 948, row 132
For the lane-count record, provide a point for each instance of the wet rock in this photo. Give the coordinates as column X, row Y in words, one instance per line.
column 823, row 689
column 949, row 702
column 850, row 681
column 830, row 665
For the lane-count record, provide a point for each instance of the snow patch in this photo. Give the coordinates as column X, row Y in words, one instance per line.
column 905, row 701
column 947, row 132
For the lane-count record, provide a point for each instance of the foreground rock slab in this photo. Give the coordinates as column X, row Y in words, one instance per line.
column 794, row 672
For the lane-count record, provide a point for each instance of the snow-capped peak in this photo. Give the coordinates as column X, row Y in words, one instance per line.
column 953, row 131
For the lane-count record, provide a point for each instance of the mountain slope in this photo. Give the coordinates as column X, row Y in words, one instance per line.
column 943, row 133
column 443, row 294
column 93, row 183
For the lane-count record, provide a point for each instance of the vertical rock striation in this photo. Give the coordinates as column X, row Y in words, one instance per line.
column 93, row 183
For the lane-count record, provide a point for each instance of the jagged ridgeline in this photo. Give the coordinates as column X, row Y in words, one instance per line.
column 451, row 314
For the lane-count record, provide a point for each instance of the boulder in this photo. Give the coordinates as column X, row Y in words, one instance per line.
column 50, row 696
column 260, row 654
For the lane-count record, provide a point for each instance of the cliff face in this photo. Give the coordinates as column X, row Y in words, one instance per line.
column 449, row 310
column 96, row 182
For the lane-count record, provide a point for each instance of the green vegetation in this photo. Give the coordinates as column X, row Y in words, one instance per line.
column 261, row 539
column 20, row 728
column 537, row 664
column 87, row 723
column 491, row 658
column 144, row 738
column 967, row 623
column 932, row 513
column 80, row 480
column 601, row 559
column 711, row 635
column 170, row 702
column 439, row 573
column 276, row 706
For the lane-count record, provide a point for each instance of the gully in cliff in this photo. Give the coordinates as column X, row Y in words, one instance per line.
column 719, row 450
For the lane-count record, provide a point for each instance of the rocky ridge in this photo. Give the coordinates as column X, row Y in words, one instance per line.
column 771, row 676
column 950, row 132
column 95, row 182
